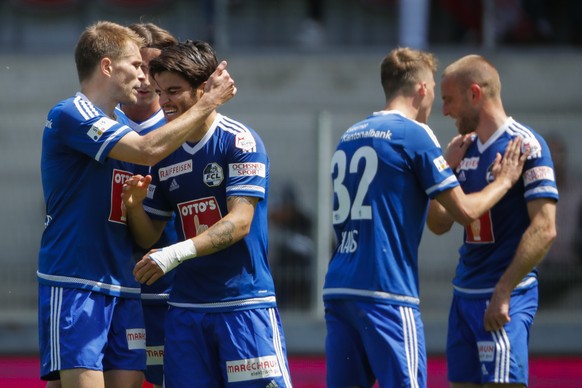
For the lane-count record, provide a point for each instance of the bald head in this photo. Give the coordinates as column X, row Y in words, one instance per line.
column 474, row 69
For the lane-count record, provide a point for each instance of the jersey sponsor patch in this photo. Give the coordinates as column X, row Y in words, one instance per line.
column 175, row 170
column 245, row 141
column 100, row 127
column 252, row 369
column 486, row 350
column 247, row 169
column 480, row 231
column 440, row 163
column 117, row 211
column 532, row 145
column 135, row 338
column 469, row 163
column 155, row 355
column 213, row 175
column 198, row 215
column 538, row 174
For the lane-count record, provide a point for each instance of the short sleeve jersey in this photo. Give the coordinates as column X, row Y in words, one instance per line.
column 491, row 241
column 85, row 243
column 384, row 171
column 194, row 182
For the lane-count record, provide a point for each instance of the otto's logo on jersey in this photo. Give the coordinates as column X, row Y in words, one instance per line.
column 440, row 163
column 198, row 215
column 117, row 212
column 99, row 128
column 213, row 175
column 244, row 141
column 480, row 231
column 49, row 124
column 252, row 369
column 175, row 170
column 247, row 169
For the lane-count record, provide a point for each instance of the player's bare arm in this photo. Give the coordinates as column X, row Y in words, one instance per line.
column 231, row 229
column 156, row 145
column 465, row 208
column 144, row 230
column 534, row 244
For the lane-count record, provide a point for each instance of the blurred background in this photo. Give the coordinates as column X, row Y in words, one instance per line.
column 306, row 70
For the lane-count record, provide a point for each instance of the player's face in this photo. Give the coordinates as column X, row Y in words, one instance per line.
column 146, row 93
column 457, row 105
column 127, row 74
column 175, row 93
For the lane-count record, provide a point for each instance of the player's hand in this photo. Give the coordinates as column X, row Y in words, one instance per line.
column 220, row 86
column 135, row 190
column 497, row 312
column 147, row 271
column 510, row 166
column 457, row 148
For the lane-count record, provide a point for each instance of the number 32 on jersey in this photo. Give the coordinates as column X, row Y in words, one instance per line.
column 346, row 207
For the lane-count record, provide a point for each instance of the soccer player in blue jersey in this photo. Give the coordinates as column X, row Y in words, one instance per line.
column 223, row 327
column 495, row 286
column 384, row 171
column 144, row 116
column 91, row 329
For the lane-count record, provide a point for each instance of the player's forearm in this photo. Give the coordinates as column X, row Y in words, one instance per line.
column 142, row 227
column 466, row 208
column 221, row 235
column 162, row 142
column 480, row 202
column 533, row 247
column 438, row 220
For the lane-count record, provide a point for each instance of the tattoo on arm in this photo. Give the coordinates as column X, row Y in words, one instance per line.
column 221, row 235
column 239, row 200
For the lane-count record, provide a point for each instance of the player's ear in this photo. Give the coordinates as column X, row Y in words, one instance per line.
column 105, row 66
column 476, row 92
column 422, row 89
column 200, row 89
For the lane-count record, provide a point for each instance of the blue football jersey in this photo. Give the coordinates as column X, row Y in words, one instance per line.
column 491, row 241
column 160, row 290
column 194, row 183
column 86, row 243
column 384, row 171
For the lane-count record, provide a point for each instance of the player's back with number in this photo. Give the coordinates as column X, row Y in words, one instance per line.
column 383, row 170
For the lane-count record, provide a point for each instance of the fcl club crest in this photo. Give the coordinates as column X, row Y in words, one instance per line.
column 213, row 175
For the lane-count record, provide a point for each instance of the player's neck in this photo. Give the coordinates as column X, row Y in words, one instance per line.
column 202, row 130
column 490, row 121
column 140, row 113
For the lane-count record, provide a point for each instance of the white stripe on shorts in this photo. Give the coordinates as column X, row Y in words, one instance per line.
column 55, row 306
column 410, row 343
column 502, row 356
column 279, row 347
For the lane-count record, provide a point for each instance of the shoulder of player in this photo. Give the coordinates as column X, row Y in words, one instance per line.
column 237, row 134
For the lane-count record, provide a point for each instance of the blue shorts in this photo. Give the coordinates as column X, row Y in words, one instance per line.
column 233, row 349
column 481, row 357
column 90, row 330
column 155, row 318
column 367, row 341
